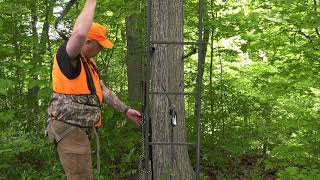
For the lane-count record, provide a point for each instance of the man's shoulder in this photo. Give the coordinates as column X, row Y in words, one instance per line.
column 62, row 48
column 66, row 64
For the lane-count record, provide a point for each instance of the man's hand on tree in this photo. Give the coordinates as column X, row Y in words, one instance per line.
column 134, row 115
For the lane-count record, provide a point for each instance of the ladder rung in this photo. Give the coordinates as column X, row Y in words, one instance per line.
column 174, row 93
column 171, row 143
column 173, row 42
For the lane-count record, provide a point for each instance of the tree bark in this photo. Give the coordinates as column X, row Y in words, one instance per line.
column 169, row 162
column 135, row 56
column 36, row 58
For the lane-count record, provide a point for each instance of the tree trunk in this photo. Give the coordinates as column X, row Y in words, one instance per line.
column 38, row 50
column 169, row 162
column 135, row 56
column 36, row 58
column 135, row 53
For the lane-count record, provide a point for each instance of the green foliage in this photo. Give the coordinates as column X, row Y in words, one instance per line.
column 22, row 158
column 260, row 114
column 296, row 173
column 5, row 86
column 120, row 145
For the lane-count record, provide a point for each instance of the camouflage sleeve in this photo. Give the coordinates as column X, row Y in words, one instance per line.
column 111, row 99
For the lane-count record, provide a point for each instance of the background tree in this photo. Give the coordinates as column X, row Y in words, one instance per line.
column 135, row 51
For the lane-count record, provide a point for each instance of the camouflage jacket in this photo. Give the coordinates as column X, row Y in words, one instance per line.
column 78, row 110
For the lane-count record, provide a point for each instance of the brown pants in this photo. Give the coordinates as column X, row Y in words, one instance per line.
column 74, row 151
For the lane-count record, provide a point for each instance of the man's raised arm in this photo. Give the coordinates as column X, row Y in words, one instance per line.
column 81, row 28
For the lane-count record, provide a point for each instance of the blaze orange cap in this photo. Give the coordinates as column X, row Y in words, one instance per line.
column 99, row 33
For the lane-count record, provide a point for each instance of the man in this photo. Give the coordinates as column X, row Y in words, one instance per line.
column 75, row 108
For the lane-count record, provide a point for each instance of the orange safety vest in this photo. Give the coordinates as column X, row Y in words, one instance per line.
column 87, row 82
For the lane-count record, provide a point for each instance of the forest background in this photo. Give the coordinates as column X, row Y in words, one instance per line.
column 260, row 101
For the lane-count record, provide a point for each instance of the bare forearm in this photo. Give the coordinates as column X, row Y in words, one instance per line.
column 85, row 19
column 112, row 100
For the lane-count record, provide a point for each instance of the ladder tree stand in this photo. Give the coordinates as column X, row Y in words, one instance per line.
column 163, row 101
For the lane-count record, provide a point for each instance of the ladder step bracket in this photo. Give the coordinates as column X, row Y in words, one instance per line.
column 173, row 42
column 172, row 143
column 173, row 93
